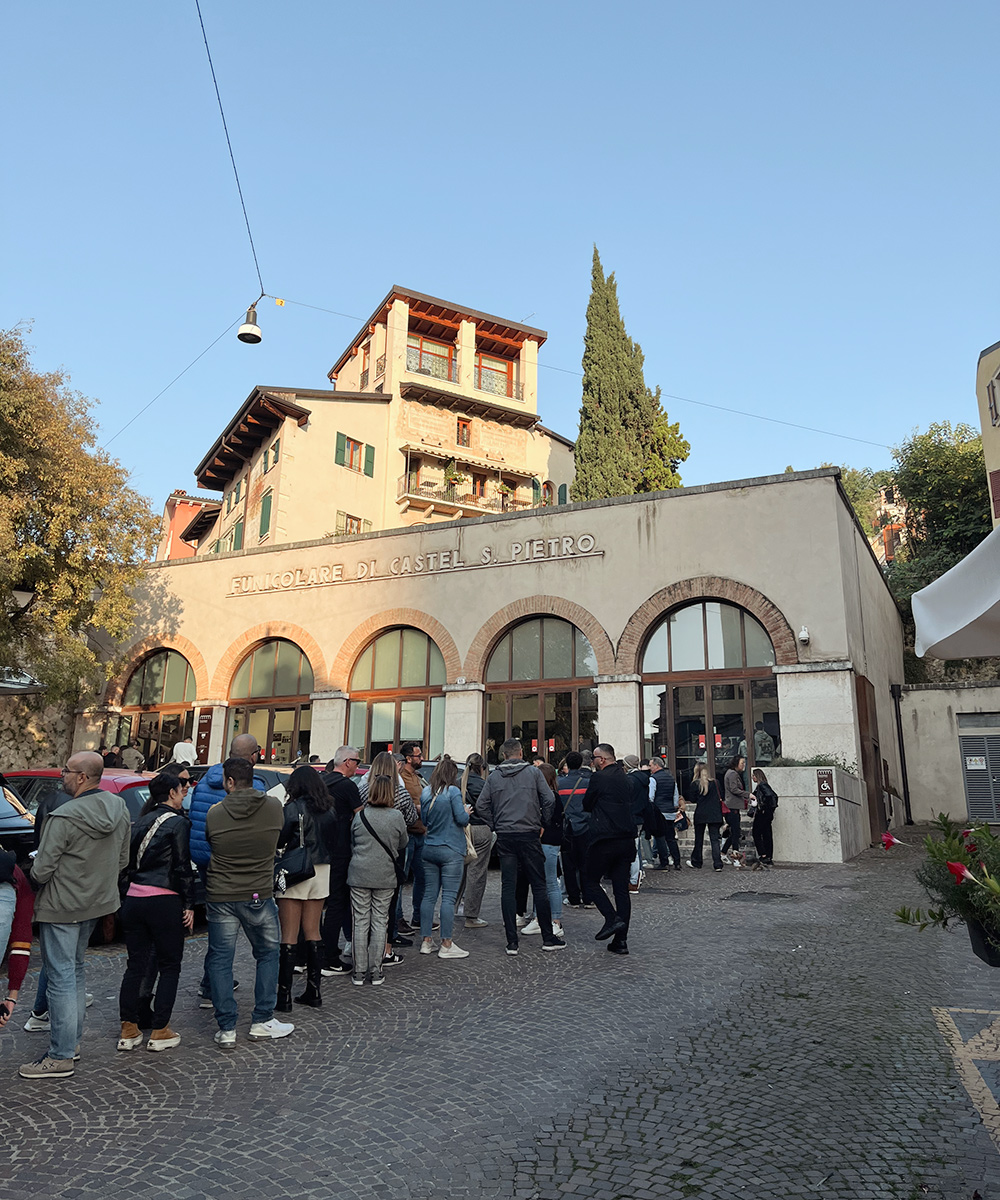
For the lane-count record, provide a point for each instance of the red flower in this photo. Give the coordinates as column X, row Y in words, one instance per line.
column 888, row 841
column 961, row 872
column 972, row 848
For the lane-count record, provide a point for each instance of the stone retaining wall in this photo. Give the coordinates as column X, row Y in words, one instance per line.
column 33, row 737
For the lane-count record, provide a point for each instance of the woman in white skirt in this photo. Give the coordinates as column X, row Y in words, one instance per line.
column 301, row 907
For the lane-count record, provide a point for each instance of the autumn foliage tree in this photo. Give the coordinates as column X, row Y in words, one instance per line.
column 72, row 531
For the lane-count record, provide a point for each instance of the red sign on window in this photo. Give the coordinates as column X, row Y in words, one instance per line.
column 718, row 741
column 534, row 745
column 552, row 745
column 701, row 741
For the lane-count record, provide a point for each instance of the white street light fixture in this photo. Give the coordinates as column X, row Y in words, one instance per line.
column 249, row 331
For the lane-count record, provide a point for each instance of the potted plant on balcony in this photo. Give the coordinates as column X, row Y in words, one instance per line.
column 961, row 875
column 453, row 477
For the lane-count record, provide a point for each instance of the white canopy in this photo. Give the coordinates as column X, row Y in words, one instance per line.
column 958, row 615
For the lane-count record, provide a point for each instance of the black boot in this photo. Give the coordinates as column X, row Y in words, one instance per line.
column 285, row 965
column 314, row 962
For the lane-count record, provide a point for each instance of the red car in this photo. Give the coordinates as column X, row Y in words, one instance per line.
column 33, row 785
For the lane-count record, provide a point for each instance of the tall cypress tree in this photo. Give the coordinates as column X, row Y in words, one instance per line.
column 625, row 444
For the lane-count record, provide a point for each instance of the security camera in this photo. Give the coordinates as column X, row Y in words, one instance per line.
column 804, row 636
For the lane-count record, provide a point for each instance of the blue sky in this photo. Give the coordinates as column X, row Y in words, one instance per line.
column 798, row 202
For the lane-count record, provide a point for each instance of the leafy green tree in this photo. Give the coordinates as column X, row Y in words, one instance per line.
column 72, row 531
column 862, row 486
column 626, row 443
column 941, row 476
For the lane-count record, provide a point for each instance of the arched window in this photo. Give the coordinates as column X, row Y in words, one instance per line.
column 396, row 694
column 548, row 493
column 540, row 677
column 709, row 691
column 156, row 707
column 269, row 697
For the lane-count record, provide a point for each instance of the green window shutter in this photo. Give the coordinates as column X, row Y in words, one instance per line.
column 215, row 547
column 238, row 536
column 265, row 515
column 536, row 492
column 340, row 457
column 266, row 453
column 229, row 502
column 562, row 493
column 341, row 520
column 369, row 460
column 274, row 450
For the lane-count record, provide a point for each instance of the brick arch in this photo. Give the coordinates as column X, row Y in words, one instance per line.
column 705, row 587
column 538, row 606
column 392, row 618
column 264, row 632
column 148, row 646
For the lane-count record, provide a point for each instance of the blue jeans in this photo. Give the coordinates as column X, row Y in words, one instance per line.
column 259, row 921
column 415, row 859
column 443, row 869
column 552, row 880
column 63, row 948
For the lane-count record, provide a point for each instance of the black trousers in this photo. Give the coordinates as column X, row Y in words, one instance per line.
column 522, row 852
column 152, row 924
column 337, row 917
column 732, row 841
column 699, row 840
column 574, row 858
column 763, row 836
column 612, row 858
column 666, row 846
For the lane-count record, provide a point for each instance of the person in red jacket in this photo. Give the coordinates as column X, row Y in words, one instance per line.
column 15, row 936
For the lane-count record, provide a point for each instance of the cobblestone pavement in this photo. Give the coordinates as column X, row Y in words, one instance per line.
column 771, row 1035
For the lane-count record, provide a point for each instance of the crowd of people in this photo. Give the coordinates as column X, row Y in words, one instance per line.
column 315, row 879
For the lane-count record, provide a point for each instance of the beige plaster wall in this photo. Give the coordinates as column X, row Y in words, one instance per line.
column 987, row 369
column 930, row 738
column 806, row 832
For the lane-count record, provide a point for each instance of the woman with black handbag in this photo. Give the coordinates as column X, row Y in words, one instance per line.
column 378, row 839
column 308, row 813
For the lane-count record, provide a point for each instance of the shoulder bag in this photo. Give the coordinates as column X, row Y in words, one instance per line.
column 470, row 855
column 293, row 865
column 400, row 873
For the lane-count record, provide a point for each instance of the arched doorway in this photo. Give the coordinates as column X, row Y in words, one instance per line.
column 540, row 689
column 396, row 694
column 708, row 689
column 269, row 697
column 157, row 707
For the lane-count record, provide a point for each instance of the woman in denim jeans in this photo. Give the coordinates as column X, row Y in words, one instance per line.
column 444, row 814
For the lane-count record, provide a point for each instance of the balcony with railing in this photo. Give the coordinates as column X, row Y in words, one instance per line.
column 456, row 498
column 364, row 379
column 380, row 366
column 497, row 383
column 434, row 365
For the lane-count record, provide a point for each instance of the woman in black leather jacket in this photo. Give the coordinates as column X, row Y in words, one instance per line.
column 157, row 907
column 308, row 806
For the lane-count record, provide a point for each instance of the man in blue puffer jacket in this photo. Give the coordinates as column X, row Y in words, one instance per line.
column 208, row 791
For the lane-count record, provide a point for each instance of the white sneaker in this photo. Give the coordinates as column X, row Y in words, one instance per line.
column 532, row 926
column 226, row 1038
column 557, row 929
column 270, row 1029
column 37, row 1024
column 89, row 999
column 521, row 921
column 452, row 951
column 428, row 947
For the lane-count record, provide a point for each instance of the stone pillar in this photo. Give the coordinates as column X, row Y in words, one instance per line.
column 466, row 354
column 329, row 723
column 216, row 748
column 618, row 712
column 463, row 719
column 529, row 375
column 818, row 712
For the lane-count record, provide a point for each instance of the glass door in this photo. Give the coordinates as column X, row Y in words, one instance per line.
column 690, row 742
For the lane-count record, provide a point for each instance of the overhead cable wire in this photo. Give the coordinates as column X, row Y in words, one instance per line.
column 172, row 382
column 232, row 157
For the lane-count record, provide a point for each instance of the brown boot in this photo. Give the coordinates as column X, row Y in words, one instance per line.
column 163, row 1039
column 130, row 1038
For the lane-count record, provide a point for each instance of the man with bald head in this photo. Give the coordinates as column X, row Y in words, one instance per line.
column 83, row 848
column 209, row 790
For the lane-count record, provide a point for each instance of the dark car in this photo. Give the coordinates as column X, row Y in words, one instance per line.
column 17, row 825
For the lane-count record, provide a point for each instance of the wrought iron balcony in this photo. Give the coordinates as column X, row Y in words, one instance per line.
column 448, row 495
column 497, row 384
column 380, row 365
column 364, row 379
column 437, row 367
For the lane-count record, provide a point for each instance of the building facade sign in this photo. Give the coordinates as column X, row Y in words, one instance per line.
column 432, row 562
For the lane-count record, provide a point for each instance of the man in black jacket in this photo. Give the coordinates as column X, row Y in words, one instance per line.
column 576, row 824
column 612, row 845
column 339, row 780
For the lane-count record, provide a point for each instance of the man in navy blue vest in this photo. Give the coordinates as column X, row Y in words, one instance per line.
column 667, row 799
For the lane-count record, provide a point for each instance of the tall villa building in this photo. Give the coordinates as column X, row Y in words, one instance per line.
column 433, row 416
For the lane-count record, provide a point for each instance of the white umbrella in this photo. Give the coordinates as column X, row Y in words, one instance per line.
column 958, row 615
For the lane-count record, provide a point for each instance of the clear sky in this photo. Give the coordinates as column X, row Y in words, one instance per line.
column 798, row 201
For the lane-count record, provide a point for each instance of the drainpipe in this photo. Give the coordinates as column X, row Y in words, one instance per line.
column 896, row 691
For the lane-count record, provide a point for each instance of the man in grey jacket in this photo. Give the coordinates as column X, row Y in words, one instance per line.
column 517, row 803
column 84, row 847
